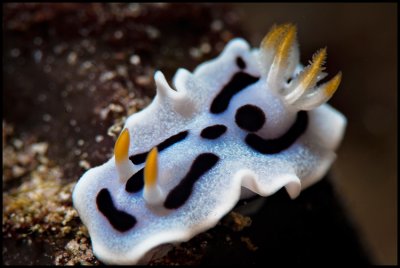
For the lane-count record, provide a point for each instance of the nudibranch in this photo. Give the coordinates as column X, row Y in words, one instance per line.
column 250, row 121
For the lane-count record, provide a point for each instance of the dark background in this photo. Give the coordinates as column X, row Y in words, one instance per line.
column 362, row 43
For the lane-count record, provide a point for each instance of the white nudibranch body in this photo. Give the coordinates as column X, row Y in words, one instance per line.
column 251, row 119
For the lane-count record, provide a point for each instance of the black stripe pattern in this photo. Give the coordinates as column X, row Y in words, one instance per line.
column 238, row 82
column 141, row 158
column 274, row 146
column 120, row 220
column 181, row 193
column 136, row 182
column 213, row 132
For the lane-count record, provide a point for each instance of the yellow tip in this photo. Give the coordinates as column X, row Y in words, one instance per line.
column 309, row 77
column 151, row 168
column 286, row 44
column 320, row 56
column 121, row 147
column 274, row 35
column 332, row 85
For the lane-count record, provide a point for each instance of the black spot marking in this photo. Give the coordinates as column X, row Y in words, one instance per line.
column 213, row 132
column 120, row 220
column 279, row 144
column 135, row 183
column 178, row 196
column 250, row 117
column 141, row 158
column 237, row 83
column 240, row 63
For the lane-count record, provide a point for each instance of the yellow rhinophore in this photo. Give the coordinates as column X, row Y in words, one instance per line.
column 151, row 168
column 121, row 147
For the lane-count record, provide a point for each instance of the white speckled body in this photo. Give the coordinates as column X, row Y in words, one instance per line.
column 218, row 190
